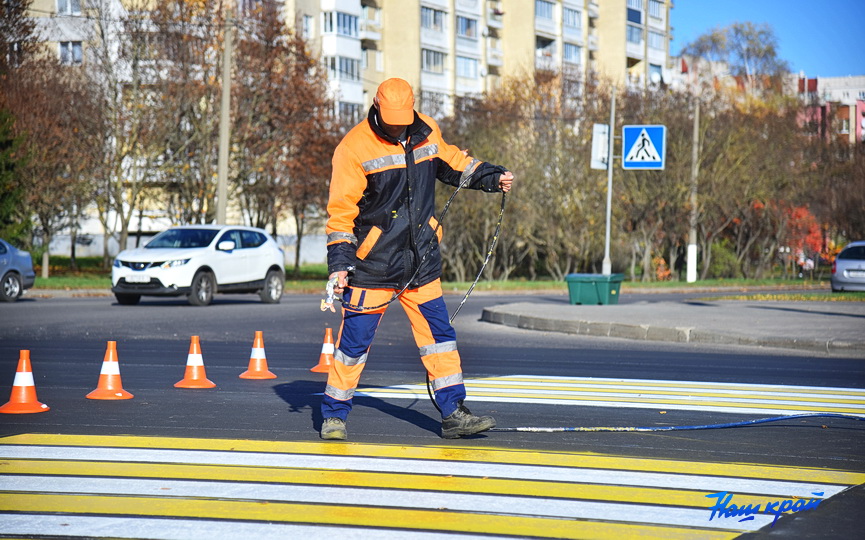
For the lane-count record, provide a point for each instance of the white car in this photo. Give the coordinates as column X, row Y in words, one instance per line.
column 198, row 261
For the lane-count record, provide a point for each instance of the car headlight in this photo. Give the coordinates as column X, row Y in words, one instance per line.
column 117, row 263
column 171, row 264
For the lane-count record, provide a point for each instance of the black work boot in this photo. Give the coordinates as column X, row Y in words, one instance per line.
column 462, row 422
column 333, row 429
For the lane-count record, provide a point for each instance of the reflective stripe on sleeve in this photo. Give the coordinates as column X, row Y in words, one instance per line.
column 340, row 236
column 469, row 169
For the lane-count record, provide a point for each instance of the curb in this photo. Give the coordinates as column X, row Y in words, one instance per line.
column 644, row 332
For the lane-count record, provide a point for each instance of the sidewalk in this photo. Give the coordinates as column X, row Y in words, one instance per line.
column 829, row 327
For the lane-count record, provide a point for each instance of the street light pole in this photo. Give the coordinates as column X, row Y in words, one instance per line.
column 607, row 267
column 224, row 121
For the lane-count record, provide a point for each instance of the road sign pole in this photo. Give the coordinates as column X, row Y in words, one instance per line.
column 607, row 267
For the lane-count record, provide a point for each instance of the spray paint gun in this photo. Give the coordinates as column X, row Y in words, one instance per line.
column 327, row 303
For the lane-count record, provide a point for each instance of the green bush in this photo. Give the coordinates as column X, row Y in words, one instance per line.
column 723, row 263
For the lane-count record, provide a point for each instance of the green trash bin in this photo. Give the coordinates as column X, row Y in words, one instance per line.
column 593, row 289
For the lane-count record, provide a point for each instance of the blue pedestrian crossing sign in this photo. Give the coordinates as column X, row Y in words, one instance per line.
column 643, row 147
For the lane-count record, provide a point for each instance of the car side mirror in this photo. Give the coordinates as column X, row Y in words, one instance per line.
column 226, row 245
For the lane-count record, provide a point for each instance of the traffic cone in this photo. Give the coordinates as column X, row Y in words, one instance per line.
column 325, row 359
column 109, row 386
column 23, row 399
column 257, row 360
column 195, row 376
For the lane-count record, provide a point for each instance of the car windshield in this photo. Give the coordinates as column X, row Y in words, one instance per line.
column 183, row 238
column 853, row 253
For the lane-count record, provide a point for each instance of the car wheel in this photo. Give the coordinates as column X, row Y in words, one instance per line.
column 273, row 285
column 11, row 287
column 127, row 299
column 203, row 287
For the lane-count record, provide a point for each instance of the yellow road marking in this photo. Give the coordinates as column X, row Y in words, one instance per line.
column 442, row 520
column 449, row 453
column 656, row 401
column 315, row 477
column 637, row 383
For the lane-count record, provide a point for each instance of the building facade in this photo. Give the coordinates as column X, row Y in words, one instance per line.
column 449, row 48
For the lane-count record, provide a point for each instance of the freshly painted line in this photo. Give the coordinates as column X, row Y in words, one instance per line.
column 651, row 383
column 636, row 403
column 710, row 484
column 196, row 529
column 316, row 477
column 379, row 498
column 448, row 453
column 357, row 516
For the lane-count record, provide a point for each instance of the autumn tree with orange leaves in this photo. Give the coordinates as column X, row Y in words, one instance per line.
column 284, row 128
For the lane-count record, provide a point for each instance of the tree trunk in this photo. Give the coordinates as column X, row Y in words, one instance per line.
column 46, row 256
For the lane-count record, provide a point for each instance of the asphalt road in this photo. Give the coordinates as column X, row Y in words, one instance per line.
column 67, row 338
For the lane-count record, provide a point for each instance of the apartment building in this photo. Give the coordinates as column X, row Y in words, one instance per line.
column 448, row 48
column 61, row 26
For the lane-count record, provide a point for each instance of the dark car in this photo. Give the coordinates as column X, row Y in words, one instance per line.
column 16, row 267
column 848, row 270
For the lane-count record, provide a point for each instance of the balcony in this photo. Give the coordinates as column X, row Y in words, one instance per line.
column 593, row 10
column 370, row 30
column 593, row 42
column 495, row 57
column 495, row 18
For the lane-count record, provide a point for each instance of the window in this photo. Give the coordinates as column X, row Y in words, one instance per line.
column 635, row 34
column 656, row 9
column 572, row 53
column 371, row 13
column 572, row 18
column 69, row 7
column 308, row 27
column 635, row 4
column 656, row 74
column 432, row 61
column 544, row 46
column 341, row 23
column 543, row 9
column 70, row 53
column 656, row 40
column 342, row 68
column 433, row 19
column 349, row 111
column 635, row 16
column 467, row 67
column 467, row 27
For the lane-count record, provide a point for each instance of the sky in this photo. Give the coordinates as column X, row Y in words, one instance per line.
column 823, row 38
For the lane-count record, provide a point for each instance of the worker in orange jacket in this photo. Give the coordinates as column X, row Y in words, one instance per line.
column 382, row 235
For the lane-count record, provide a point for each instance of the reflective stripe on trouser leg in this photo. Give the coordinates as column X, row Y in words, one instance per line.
column 352, row 347
column 436, row 341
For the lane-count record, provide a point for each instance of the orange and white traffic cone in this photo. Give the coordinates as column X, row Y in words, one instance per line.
column 257, row 360
column 195, row 376
column 325, row 359
column 23, row 399
column 110, row 386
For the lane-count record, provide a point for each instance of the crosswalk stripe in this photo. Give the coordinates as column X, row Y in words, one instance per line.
column 446, row 453
column 376, row 488
column 356, row 516
column 417, row 500
column 286, row 475
column 638, row 393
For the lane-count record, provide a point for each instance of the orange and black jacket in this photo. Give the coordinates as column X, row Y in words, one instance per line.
column 382, row 202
